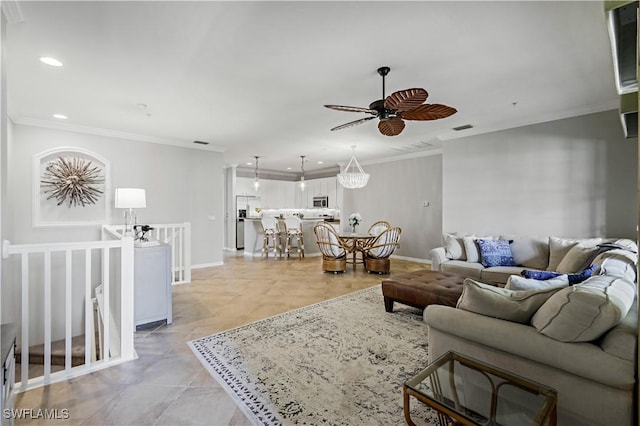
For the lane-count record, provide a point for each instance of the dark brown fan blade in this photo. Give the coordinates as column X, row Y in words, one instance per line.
column 352, row 109
column 429, row 112
column 405, row 100
column 352, row 123
column 391, row 127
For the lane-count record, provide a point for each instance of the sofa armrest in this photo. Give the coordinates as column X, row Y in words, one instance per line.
column 581, row 359
column 438, row 256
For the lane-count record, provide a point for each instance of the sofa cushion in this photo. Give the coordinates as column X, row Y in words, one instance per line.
column 531, row 252
column 584, row 312
column 472, row 270
column 499, row 274
column 621, row 340
column 495, row 253
column 516, row 306
column 519, row 283
column 577, row 258
column 558, row 248
column 619, row 262
column 454, row 247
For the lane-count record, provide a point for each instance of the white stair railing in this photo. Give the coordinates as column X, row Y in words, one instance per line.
column 44, row 271
column 176, row 235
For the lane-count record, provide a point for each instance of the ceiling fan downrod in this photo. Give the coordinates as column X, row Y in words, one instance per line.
column 383, row 71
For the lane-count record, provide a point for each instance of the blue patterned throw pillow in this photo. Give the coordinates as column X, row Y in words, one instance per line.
column 578, row 278
column 539, row 275
column 545, row 275
column 495, row 253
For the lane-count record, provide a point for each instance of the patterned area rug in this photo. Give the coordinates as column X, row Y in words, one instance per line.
column 338, row 362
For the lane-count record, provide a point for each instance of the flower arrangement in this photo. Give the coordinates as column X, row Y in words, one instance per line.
column 354, row 221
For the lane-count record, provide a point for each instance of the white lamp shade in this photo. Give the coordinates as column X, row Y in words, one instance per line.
column 130, row 198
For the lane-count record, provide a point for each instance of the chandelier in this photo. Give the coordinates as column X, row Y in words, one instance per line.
column 353, row 177
column 302, row 176
column 256, row 182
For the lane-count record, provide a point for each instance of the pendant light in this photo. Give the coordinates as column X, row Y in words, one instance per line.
column 302, row 184
column 353, row 177
column 256, row 183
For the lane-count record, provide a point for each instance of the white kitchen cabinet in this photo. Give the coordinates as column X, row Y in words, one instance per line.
column 152, row 284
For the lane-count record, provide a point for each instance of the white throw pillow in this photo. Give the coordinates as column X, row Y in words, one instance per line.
column 584, row 312
column 516, row 282
column 578, row 258
column 496, row 302
column 472, row 248
column 453, row 247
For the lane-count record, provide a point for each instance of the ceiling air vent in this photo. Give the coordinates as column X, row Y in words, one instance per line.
column 464, row 127
column 201, row 142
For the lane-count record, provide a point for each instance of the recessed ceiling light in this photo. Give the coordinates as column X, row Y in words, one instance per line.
column 288, row 168
column 320, row 162
column 60, row 116
column 51, row 61
column 249, row 163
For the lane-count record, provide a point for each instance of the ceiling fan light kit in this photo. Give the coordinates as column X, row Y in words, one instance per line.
column 393, row 110
column 353, row 177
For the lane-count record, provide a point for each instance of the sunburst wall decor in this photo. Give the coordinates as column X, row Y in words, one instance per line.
column 75, row 181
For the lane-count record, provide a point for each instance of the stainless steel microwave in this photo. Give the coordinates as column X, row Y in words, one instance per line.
column 321, row 201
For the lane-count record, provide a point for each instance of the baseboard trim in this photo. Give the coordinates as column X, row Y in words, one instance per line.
column 411, row 259
column 206, row 265
column 293, row 255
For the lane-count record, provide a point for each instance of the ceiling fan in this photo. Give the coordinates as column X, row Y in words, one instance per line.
column 397, row 107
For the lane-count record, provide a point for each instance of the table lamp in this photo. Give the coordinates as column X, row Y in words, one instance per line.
column 130, row 198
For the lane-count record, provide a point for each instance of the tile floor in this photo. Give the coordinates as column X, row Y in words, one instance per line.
column 167, row 385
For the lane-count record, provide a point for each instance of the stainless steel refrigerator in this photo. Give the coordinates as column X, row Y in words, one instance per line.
column 245, row 207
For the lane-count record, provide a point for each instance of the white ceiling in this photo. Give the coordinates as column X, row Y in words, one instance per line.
column 252, row 77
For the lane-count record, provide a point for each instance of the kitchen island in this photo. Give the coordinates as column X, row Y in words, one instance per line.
column 253, row 237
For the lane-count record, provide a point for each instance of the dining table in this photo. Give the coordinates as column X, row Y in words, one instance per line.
column 355, row 243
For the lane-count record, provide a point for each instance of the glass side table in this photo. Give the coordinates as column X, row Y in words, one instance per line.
column 469, row 392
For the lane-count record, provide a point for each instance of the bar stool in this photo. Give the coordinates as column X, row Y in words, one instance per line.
column 294, row 231
column 271, row 234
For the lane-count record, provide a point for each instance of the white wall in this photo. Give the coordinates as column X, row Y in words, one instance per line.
column 182, row 185
column 574, row 177
column 395, row 193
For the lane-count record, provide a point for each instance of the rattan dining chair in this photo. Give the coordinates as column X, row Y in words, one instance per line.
column 376, row 255
column 334, row 254
column 378, row 227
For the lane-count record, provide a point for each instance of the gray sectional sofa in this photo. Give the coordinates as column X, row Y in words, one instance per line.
column 593, row 370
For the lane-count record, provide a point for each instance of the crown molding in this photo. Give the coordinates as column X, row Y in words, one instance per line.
column 12, row 11
column 27, row 121
column 409, row 156
column 606, row 106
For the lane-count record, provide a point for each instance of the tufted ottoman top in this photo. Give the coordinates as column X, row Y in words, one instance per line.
column 423, row 288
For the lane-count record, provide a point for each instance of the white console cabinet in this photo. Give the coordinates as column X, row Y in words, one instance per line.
column 8, row 373
column 152, row 284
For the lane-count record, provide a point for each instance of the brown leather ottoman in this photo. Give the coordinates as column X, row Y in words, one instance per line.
column 422, row 288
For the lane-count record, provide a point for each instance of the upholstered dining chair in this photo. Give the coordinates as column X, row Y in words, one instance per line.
column 334, row 255
column 270, row 236
column 378, row 227
column 293, row 226
column 376, row 255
